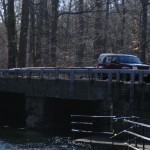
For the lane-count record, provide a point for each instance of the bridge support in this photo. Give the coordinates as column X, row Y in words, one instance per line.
column 35, row 111
column 47, row 113
column 54, row 113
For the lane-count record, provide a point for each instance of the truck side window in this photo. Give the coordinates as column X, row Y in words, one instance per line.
column 108, row 59
column 114, row 60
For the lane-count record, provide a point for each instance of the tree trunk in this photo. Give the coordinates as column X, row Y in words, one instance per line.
column 98, row 40
column 11, row 33
column 106, row 27
column 32, row 54
column 23, row 33
column 54, row 25
column 144, row 29
column 81, row 45
column 46, row 53
column 123, row 24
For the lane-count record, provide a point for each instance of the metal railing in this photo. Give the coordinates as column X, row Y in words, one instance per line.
column 88, row 124
column 119, row 121
column 130, row 131
column 135, row 135
column 108, row 122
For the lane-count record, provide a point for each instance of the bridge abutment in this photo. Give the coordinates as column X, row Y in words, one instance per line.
column 35, row 111
column 49, row 103
column 55, row 113
column 12, row 109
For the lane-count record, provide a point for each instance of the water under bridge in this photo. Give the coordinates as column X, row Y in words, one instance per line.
column 51, row 95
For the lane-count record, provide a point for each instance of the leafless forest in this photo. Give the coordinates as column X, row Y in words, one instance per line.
column 71, row 33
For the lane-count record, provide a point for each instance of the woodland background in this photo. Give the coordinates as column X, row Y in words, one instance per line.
column 69, row 33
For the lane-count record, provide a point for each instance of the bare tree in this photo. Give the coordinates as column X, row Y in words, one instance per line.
column 98, row 39
column 75, row 32
column 144, row 29
column 54, row 26
column 47, row 36
column 23, row 33
column 106, row 26
column 31, row 51
column 11, row 34
column 123, row 24
column 81, row 44
column 39, row 32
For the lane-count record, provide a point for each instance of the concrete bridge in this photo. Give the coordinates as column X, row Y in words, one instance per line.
column 49, row 95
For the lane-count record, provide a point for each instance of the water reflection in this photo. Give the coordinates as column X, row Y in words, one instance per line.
column 22, row 139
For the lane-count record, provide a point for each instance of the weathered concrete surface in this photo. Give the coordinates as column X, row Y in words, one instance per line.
column 115, row 98
column 79, row 89
column 139, row 105
column 55, row 114
column 35, row 112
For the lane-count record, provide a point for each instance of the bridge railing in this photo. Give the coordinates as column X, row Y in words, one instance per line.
column 90, row 73
column 87, row 73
